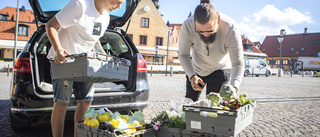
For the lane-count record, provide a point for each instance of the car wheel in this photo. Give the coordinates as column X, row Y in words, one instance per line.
column 17, row 124
column 268, row 73
column 257, row 75
column 246, row 73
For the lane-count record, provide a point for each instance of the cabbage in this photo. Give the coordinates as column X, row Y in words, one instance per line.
column 227, row 91
column 214, row 98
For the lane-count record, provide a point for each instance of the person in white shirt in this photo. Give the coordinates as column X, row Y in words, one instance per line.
column 75, row 29
column 216, row 48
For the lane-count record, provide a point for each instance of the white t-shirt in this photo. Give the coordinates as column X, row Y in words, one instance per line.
column 81, row 25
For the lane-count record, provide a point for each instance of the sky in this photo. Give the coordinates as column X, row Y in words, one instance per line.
column 256, row 19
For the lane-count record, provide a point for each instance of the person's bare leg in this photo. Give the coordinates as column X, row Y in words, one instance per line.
column 57, row 119
column 82, row 108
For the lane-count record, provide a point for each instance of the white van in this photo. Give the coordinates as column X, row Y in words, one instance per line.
column 256, row 67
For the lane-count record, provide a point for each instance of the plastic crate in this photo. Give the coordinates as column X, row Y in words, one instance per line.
column 86, row 131
column 227, row 122
column 92, row 67
column 172, row 132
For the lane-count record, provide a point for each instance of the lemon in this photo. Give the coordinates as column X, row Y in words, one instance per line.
column 94, row 123
column 114, row 123
column 130, row 130
column 86, row 121
column 103, row 118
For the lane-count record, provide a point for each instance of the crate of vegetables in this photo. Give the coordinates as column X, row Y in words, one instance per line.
column 223, row 115
column 104, row 123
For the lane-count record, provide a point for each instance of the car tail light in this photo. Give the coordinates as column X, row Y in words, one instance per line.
column 22, row 65
column 142, row 64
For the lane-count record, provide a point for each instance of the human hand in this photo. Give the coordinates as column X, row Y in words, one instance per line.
column 195, row 82
column 59, row 57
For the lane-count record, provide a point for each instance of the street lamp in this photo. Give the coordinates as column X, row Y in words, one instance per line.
column 156, row 56
column 280, row 39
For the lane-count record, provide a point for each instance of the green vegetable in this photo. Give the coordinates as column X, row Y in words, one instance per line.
column 214, row 98
column 244, row 101
column 174, row 122
column 227, row 91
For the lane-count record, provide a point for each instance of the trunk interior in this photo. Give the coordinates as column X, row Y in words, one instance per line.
column 113, row 44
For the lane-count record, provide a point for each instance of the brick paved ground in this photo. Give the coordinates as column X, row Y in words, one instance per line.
column 286, row 106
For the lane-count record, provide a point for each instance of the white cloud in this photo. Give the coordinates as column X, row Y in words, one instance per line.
column 270, row 20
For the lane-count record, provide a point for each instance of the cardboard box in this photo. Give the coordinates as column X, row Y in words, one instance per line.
column 92, row 67
column 227, row 122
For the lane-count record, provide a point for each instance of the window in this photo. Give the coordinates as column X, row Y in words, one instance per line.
column 23, row 30
column 248, row 47
column 130, row 36
column 277, row 62
column 314, row 42
column 145, row 22
column 3, row 17
column 143, row 40
column 292, row 49
column 1, row 53
column 159, row 41
column 285, row 62
column 302, row 49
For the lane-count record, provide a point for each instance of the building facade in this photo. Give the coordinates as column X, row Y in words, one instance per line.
column 26, row 27
column 293, row 46
column 149, row 32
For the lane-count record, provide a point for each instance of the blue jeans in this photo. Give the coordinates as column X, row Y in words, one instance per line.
column 63, row 89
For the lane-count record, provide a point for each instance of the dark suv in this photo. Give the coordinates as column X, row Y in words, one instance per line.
column 31, row 99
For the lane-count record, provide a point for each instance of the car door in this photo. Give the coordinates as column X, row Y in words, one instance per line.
column 44, row 10
column 263, row 67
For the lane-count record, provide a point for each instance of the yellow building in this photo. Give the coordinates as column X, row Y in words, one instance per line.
column 149, row 32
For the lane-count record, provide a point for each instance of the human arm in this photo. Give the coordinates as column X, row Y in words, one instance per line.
column 52, row 33
column 195, row 80
column 235, row 50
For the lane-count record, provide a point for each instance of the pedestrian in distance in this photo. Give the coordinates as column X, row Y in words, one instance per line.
column 210, row 51
column 75, row 29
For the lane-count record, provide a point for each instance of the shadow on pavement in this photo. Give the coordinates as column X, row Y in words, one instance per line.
column 42, row 131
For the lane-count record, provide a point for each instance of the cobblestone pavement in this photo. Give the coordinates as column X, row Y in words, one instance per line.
column 285, row 106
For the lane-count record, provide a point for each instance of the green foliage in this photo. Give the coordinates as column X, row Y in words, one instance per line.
column 172, row 122
column 227, row 91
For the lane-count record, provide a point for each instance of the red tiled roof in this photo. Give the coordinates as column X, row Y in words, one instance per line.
column 310, row 42
column 24, row 16
column 7, row 29
column 247, row 41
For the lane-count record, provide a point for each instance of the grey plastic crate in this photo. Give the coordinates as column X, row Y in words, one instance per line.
column 227, row 123
column 172, row 132
column 86, row 131
column 92, row 67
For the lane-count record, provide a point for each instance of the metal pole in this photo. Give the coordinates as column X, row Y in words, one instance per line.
column 280, row 60
column 151, row 71
column 168, row 43
column 8, row 70
column 16, row 34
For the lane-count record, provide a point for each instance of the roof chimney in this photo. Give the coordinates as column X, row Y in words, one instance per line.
column 305, row 31
column 23, row 9
column 282, row 32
